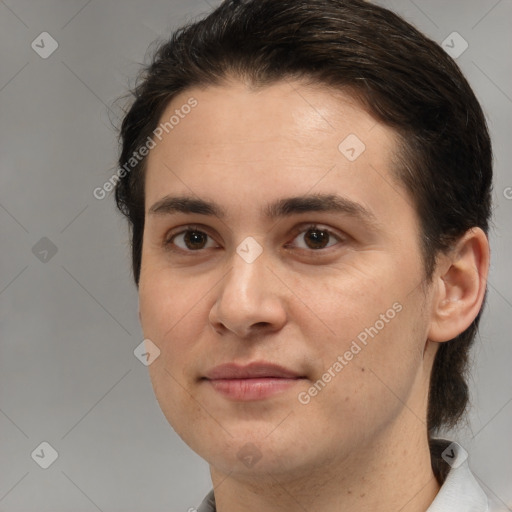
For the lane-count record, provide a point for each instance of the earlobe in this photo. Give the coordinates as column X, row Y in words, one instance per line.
column 460, row 286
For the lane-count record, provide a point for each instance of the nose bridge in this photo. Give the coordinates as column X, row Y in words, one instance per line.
column 247, row 296
column 248, row 272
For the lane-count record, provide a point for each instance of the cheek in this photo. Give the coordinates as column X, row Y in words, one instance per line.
column 345, row 308
column 170, row 389
column 166, row 299
column 372, row 381
column 374, row 341
column 175, row 328
column 164, row 320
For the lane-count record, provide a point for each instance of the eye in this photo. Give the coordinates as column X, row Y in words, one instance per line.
column 192, row 240
column 315, row 237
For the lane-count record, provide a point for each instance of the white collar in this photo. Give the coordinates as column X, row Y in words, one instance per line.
column 460, row 491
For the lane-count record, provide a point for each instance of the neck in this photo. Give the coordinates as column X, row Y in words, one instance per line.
column 393, row 473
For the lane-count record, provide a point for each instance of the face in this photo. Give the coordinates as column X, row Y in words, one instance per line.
column 329, row 290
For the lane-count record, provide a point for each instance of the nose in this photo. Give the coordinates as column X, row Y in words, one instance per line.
column 250, row 299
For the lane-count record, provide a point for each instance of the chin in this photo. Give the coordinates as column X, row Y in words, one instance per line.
column 246, row 453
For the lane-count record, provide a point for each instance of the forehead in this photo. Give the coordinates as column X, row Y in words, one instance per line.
column 283, row 112
column 282, row 139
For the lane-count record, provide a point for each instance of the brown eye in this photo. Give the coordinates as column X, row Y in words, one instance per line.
column 189, row 240
column 316, row 238
column 195, row 239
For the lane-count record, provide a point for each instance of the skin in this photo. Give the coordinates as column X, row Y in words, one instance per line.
column 361, row 442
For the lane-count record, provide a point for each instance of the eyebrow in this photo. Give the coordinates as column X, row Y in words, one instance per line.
column 285, row 207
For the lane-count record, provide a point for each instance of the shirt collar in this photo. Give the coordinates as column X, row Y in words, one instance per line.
column 460, row 491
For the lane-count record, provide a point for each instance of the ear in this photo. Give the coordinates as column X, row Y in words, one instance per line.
column 459, row 286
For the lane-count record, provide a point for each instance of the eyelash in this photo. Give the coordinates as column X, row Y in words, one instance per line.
column 169, row 244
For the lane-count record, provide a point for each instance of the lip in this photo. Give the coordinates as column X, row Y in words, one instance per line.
column 255, row 381
column 252, row 370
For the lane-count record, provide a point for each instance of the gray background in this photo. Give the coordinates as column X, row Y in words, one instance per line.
column 69, row 325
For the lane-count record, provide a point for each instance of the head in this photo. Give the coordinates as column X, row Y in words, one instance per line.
column 263, row 101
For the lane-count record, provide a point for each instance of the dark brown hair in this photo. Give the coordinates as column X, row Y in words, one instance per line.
column 404, row 79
